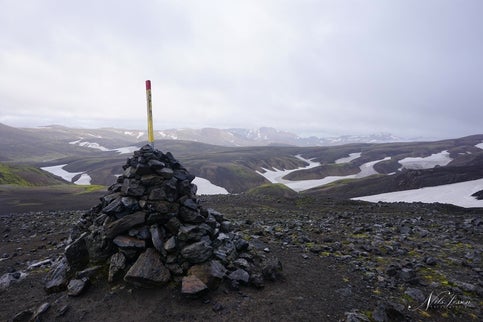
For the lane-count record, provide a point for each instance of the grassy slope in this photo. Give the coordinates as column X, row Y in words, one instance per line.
column 25, row 175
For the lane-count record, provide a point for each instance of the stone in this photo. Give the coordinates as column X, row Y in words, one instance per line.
column 130, row 204
column 157, row 237
column 115, row 206
column 77, row 254
column 393, row 269
column 24, row 316
column 388, row 312
column 272, row 269
column 157, row 194
column 241, row 245
column 217, row 307
column 170, row 244
column 239, row 275
column 99, row 246
column 197, row 252
column 40, row 310
column 257, row 280
column 226, row 252
column 76, row 286
column 132, row 187
column 192, row 285
column 191, row 204
column 166, row 173
column 155, row 164
column 141, row 232
column 431, row 261
column 56, row 280
column 7, row 279
column 226, row 226
column 173, row 225
column 416, row 294
column 122, row 241
column 191, row 232
column 124, row 224
column 189, row 215
column 356, row 317
column 148, row 270
column 210, row 273
column 159, row 217
column 88, row 272
column 408, row 275
column 116, row 266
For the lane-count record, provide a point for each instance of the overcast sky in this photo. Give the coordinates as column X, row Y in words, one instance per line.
column 411, row 68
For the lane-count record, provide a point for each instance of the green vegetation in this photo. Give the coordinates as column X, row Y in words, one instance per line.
column 91, row 188
column 272, row 190
column 25, row 176
column 432, row 275
column 10, row 175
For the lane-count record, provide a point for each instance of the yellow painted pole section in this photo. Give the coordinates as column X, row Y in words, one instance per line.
column 150, row 113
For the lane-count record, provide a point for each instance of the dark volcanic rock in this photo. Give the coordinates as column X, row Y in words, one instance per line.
column 116, row 266
column 77, row 254
column 76, row 286
column 57, row 279
column 197, row 252
column 148, row 270
column 124, row 224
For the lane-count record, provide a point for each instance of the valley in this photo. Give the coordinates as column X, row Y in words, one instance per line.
column 60, row 155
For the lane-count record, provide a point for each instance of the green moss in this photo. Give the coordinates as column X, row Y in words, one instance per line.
column 272, row 189
column 310, row 245
column 91, row 188
column 361, row 235
column 431, row 275
column 8, row 175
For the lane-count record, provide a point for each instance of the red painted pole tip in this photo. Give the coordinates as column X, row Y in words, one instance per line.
column 148, row 84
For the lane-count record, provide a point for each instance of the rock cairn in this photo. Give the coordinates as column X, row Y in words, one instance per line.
column 150, row 229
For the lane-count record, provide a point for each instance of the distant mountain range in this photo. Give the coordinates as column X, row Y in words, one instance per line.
column 267, row 136
column 238, row 160
column 264, row 136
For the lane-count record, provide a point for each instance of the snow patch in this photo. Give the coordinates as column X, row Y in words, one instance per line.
column 205, row 187
column 97, row 146
column 137, row 134
column 276, row 176
column 58, row 170
column 169, row 136
column 480, row 145
column 126, row 150
column 352, row 156
column 442, row 158
column 456, row 193
column 84, row 179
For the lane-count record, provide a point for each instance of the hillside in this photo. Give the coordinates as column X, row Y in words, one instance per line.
column 86, row 156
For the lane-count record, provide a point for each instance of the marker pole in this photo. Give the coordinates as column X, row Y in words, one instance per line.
column 150, row 113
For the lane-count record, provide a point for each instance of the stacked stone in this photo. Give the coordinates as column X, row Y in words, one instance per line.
column 151, row 229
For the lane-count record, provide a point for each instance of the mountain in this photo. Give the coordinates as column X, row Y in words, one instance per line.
column 263, row 136
column 266, row 136
column 95, row 156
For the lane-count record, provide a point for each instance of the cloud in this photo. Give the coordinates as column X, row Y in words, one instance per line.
column 312, row 67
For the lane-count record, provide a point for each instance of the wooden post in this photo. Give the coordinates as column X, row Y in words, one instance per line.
column 150, row 113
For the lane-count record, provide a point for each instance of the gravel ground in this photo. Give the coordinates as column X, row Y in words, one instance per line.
column 342, row 261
